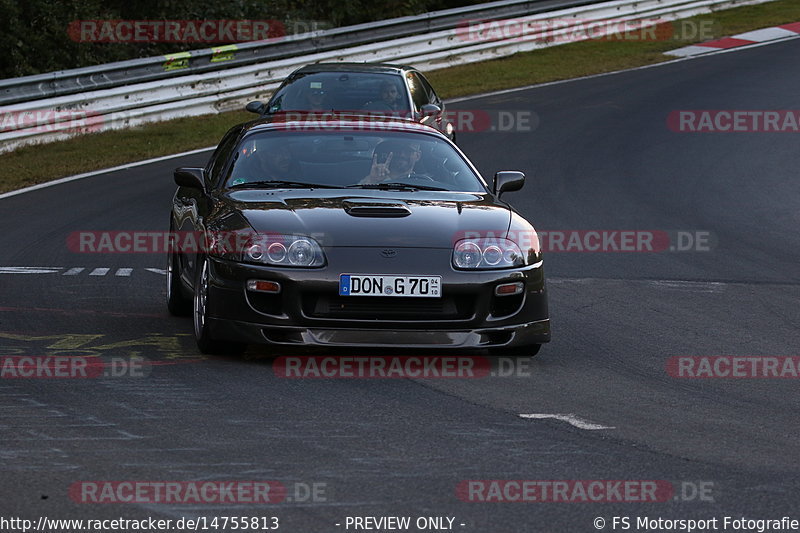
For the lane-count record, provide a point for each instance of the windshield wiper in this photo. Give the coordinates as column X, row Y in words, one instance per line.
column 395, row 185
column 282, row 183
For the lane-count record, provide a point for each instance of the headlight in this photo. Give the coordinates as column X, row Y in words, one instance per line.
column 283, row 250
column 487, row 253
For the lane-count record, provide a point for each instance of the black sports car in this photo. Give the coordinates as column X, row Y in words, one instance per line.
column 352, row 233
column 365, row 88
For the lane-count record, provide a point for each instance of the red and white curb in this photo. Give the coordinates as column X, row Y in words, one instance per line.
column 775, row 33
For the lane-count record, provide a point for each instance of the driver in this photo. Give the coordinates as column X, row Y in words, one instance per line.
column 390, row 99
column 275, row 161
column 393, row 161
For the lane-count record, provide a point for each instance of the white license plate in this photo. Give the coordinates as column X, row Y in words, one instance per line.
column 381, row 285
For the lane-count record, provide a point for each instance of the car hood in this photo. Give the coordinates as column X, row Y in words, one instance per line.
column 428, row 219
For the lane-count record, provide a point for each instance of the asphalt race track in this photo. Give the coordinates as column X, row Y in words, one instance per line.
column 601, row 157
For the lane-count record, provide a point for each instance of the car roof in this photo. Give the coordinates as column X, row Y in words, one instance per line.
column 381, row 68
column 331, row 121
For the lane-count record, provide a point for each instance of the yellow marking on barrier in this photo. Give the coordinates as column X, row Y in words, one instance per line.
column 176, row 61
column 223, row 53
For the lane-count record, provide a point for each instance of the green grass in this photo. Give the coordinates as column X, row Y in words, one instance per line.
column 36, row 164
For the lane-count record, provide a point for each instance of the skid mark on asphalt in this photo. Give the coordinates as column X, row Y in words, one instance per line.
column 663, row 284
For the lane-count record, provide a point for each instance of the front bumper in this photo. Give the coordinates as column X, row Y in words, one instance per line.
column 309, row 311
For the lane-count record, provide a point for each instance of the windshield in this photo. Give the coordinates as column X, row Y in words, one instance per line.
column 362, row 159
column 343, row 91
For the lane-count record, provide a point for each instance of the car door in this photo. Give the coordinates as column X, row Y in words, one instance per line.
column 191, row 206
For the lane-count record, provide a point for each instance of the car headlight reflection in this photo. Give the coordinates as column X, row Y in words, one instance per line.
column 487, row 253
column 284, row 250
column 276, row 252
column 492, row 255
column 255, row 252
column 301, row 253
column 467, row 254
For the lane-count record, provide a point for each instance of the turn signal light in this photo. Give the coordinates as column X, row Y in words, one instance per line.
column 508, row 289
column 258, row 285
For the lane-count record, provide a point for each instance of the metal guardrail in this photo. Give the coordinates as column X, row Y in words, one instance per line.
column 211, row 92
column 120, row 73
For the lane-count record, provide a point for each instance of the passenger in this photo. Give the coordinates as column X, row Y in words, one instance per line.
column 315, row 97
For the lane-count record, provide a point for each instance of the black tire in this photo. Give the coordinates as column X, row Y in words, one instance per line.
column 517, row 351
column 205, row 342
column 177, row 303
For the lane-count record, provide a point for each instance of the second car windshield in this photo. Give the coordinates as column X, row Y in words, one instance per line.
column 350, row 159
column 343, row 91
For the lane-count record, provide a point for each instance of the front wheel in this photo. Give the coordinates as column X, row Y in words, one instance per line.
column 205, row 342
column 177, row 303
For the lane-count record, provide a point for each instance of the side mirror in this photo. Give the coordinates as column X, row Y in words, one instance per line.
column 194, row 178
column 508, row 181
column 256, row 107
column 429, row 110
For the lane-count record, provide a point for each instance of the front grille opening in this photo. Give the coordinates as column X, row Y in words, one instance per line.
column 269, row 304
column 281, row 336
column 499, row 337
column 506, row 305
column 388, row 308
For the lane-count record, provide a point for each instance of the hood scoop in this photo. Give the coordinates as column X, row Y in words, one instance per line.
column 376, row 208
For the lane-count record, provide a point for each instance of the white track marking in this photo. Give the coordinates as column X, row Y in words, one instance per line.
column 29, row 270
column 125, row 272
column 766, row 34
column 579, row 423
column 689, row 51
